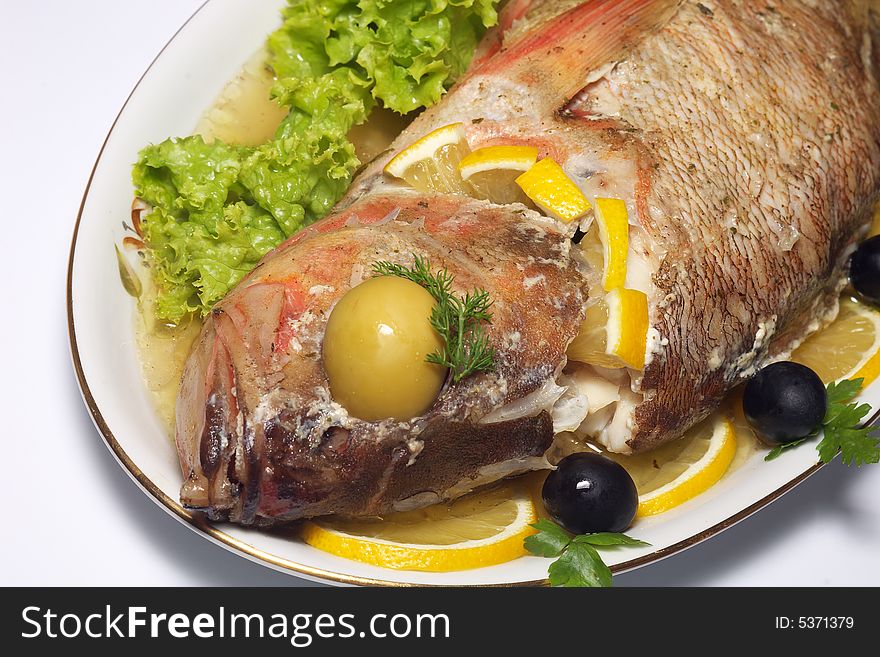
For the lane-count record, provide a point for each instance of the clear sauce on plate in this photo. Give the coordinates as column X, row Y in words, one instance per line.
column 163, row 350
column 243, row 113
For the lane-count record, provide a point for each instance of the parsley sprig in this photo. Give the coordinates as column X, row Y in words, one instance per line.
column 857, row 445
column 458, row 320
column 578, row 561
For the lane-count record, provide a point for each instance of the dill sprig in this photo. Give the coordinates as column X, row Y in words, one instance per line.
column 458, row 320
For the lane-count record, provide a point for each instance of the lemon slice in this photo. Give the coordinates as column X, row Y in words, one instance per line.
column 492, row 171
column 613, row 222
column 480, row 529
column 553, row 191
column 431, row 163
column 614, row 331
column 848, row 348
column 627, row 330
column 679, row 471
column 491, row 158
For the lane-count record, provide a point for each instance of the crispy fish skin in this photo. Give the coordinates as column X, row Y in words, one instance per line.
column 704, row 117
column 745, row 139
column 763, row 188
column 259, row 438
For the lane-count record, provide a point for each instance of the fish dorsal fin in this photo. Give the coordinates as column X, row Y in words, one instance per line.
column 557, row 55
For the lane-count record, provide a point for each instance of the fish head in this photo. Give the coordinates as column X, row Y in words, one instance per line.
column 259, row 432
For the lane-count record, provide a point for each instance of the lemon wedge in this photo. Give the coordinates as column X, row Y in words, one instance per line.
column 481, row 529
column 627, row 330
column 679, row 471
column 553, row 191
column 431, row 163
column 614, row 331
column 613, row 222
column 848, row 348
column 491, row 172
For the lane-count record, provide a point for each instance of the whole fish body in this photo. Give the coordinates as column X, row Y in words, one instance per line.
column 744, row 137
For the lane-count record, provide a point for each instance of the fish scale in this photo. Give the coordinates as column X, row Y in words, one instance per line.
column 693, row 83
column 743, row 137
column 292, row 451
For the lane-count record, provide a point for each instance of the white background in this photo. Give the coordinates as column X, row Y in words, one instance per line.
column 72, row 516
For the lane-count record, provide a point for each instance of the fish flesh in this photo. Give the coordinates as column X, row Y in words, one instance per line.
column 744, row 139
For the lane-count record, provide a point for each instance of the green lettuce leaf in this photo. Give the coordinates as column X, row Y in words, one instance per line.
column 186, row 175
column 312, row 144
column 217, row 208
column 408, row 51
column 198, row 260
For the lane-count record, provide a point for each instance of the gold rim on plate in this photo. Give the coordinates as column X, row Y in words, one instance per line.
column 197, row 521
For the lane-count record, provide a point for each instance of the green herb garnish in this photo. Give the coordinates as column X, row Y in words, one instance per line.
column 458, row 320
column 842, row 431
column 577, row 558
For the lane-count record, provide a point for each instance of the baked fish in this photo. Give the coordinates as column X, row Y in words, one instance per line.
column 260, row 436
column 744, row 139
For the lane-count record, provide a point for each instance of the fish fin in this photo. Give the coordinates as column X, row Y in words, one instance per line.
column 596, row 32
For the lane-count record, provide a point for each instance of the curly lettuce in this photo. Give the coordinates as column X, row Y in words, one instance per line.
column 218, row 208
column 408, row 52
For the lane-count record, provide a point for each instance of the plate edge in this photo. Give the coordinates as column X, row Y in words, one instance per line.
column 200, row 525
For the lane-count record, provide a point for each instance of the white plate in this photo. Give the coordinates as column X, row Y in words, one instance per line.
column 180, row 84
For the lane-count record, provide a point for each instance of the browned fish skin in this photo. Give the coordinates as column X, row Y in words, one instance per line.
column 780, row 134
column 744, row 136
column 259, row 436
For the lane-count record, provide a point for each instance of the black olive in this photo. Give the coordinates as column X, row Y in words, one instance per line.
column 590, row 493
column 864, row 270
column 784, row 402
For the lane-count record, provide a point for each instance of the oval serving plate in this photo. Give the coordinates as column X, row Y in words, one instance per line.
column 181, row 83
